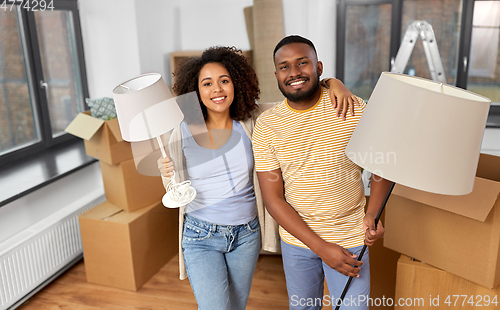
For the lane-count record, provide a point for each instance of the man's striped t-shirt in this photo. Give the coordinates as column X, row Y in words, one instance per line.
column 320, row 182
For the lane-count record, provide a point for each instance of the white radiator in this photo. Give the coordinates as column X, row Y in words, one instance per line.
column 30, row 259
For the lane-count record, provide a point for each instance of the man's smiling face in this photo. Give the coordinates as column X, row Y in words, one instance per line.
column 297, row 71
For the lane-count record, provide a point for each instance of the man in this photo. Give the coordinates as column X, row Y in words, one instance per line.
column 311, row 188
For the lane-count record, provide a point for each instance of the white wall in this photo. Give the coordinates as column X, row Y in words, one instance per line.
column 491, row 141
column 209, row 23
column 110, row 43
column 173, row 25
column 158, row 24
column 167, row 26
column 125, row 38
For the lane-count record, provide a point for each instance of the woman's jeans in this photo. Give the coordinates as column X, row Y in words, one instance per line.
column 220, row 262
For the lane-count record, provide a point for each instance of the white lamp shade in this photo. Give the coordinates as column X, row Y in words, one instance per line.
column 421, row 134
column 155, row 120
column 145, row 107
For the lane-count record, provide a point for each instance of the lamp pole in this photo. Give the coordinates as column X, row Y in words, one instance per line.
column 346, row 288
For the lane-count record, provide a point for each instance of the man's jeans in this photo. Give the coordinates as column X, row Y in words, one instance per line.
column 305, row 273
column 220, row 261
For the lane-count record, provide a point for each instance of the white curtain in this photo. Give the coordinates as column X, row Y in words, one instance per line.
column 315, row 20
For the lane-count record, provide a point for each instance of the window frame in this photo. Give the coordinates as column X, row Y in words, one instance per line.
column 33, row 62
column 396, row 20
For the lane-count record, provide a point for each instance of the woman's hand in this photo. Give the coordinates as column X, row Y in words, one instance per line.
column 342, row 98
column 166, row 166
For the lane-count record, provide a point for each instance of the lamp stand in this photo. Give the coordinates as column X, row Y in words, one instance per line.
column 339, row 303
column 162, row 147
column 178, row 194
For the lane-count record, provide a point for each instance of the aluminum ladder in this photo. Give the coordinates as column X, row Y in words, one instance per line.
column 424, row 29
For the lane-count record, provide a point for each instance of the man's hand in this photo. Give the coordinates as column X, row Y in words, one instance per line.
column 340, row 259
column 372, row 233
column 342, row 98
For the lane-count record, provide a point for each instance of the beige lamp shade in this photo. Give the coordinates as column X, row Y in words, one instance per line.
column 421, row 134
column 145, row 107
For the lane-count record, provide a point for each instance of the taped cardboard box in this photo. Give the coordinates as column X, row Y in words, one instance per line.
column 125, row 249
column 459, row 234
column 383, row 263
column 103, row 139
column 421, row 286
column 127, row 188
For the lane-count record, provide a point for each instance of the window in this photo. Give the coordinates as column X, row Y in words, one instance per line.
column 484, row 69
column 369, row 34
column 366, row 46
column 42, row 75
column 446, row 27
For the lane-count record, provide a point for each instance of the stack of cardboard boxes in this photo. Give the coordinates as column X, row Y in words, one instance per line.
column 129, row 237
column 459, row 236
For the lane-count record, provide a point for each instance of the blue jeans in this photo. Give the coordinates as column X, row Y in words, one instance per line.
column 220, row 262
column 305, row 273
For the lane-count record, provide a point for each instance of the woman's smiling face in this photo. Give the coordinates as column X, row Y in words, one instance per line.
column 216, row 88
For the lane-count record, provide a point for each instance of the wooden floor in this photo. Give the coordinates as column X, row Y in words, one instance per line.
column 164, row 291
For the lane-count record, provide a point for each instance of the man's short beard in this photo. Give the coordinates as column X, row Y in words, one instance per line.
column 301, row 96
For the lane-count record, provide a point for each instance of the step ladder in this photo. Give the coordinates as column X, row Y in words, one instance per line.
column 424, row 29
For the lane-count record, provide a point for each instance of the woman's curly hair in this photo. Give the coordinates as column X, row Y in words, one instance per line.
column 243, row 76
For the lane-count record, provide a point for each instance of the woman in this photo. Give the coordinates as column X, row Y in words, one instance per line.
column 220, row 230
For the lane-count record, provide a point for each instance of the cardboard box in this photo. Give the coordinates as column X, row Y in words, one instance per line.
column 127, row 188
column 383, row 263
column 459, row 234
column 420, row 286
column 125, row 249
column 103, row 139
